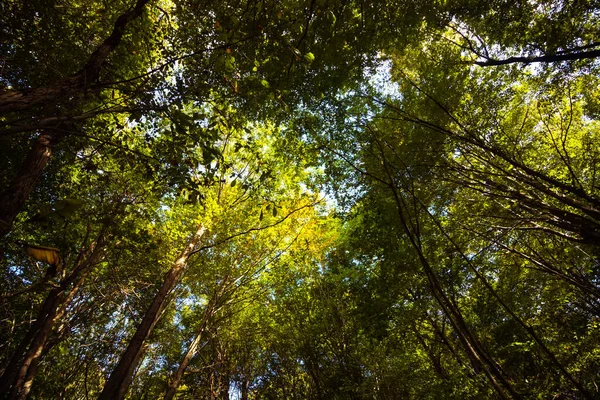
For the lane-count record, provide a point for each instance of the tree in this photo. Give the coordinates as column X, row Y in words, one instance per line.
column 313, row 199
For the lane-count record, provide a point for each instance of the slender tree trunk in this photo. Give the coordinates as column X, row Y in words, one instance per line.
column 174, row 384
column 472, row 346
column 536, row 179
column 20, row 372
column 478, row 356
column 209, row 312
column 118, row 384
column 27, row 372
column 433, row 358
column 445, row 341
column 14, row 197
column 519, row 320
column 176, row 379
column 8, row 377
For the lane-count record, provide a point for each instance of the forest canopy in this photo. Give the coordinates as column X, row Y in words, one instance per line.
column 299, row 199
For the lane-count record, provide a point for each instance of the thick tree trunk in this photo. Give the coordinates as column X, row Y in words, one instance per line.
column 14, row 197
column 118, row 384
column 76, row 85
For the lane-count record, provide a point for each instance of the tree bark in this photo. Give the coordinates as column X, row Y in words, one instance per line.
column 14, row 197
column 120, row 379
column 174, row 384
column 27, row 372
column 510, row 312
column 8, row 377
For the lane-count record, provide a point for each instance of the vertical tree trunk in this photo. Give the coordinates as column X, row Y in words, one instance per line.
column 118, row 384
column 14, row 197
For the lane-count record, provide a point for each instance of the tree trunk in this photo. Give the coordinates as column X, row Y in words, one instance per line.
column 174, row 384
column 86, row 78
column 515, row 317
column 13, row 199
column 209, row 312
column 8, row 377
column 118, row 384
column 20, row 372
column 26, row 373
column 475, row 351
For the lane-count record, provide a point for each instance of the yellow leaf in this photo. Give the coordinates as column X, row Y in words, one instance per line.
column 48, row 255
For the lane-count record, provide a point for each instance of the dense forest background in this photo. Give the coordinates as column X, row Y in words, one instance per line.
column 300, row 199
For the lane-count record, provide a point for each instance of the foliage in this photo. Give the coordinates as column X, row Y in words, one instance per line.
column 390, row 199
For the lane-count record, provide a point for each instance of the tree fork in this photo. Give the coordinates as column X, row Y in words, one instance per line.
column 87, row 77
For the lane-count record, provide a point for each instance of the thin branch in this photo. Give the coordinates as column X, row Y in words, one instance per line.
column 254, row 229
